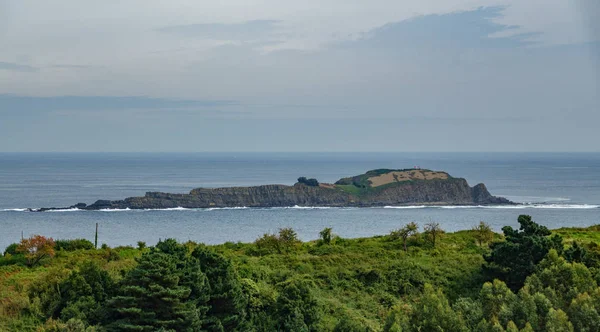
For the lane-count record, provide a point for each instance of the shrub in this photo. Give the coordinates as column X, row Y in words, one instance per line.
column 11, row 249
column 325, row 236
column 267, row 244
column 308, row 182
column 483, row 233
column 141, row 245
column 72, row 245
column 285, row 241
column 288, row 239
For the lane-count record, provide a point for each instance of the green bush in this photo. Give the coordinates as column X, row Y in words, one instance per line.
column 11, row 249
column 72, row 245
column 308, row 182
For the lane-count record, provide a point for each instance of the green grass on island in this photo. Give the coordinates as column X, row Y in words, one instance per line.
column 527, row 279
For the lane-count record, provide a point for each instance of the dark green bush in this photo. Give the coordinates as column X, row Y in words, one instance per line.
column 72, row 245
column 11, row 249
column 308, row 182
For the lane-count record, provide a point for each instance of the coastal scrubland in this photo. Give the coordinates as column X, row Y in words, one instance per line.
column 412, row 279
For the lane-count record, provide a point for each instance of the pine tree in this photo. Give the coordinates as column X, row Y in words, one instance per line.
column 515, row 259
column 226, row 301
column 151, row 298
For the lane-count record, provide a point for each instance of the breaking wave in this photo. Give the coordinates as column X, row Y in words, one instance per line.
column 65, row 210
column 519, row 206
column 297, row 207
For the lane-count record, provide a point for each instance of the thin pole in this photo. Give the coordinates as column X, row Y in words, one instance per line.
column 96, row 238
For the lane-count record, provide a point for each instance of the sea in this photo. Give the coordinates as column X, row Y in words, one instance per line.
column 556, row 189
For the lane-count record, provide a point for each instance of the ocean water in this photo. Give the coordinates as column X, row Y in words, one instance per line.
column 559, row 190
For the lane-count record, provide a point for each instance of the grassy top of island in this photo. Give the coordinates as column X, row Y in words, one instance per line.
column 378, row 179
column 526, row 279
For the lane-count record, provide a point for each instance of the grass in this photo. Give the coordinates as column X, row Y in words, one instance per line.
column 585, row 235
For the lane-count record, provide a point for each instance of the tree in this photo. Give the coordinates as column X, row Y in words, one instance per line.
column 497, row 301
column 483, row 233
column 226, row 302
column 560, row 280
column 326, row 235
column 583, row 314
column 296, row 308
column 150, row 298
column 432, row 312
column 471, row 311
column 558, row 321
column 36, row 248
column 288, row 239
column 515, row 258
column 188, row 269
column 405, row 233
column 83, row 294
column 433, row 231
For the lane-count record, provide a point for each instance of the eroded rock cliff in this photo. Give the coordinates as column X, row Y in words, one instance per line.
column 375, row 188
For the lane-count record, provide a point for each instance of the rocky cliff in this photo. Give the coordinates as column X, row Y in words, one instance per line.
column 374, row 188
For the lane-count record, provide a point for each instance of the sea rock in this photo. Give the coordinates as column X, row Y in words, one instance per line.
column 374, row 188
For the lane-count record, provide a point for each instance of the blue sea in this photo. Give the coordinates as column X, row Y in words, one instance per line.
column 559, row 189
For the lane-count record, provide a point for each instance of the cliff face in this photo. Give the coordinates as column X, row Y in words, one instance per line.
column 375, row 188
column 258, row 196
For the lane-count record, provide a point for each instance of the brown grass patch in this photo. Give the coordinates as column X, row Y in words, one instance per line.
column 416, row 174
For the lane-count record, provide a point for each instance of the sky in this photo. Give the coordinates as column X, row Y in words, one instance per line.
column 312, row 75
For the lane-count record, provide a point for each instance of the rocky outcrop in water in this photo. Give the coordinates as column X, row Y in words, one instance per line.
column 374, row 188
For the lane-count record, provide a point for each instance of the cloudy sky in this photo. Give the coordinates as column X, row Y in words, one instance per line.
column 312, row 75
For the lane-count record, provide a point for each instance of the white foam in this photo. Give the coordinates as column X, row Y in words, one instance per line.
column 517, row 207
column 298, row 207
column 179, row 208
column 536, row 199
column 227, row 208
column 562, row 206
column 65, row 210
column 405, row 207
column 14, row 210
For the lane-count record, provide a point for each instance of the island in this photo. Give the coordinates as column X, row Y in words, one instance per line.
column 375, row 188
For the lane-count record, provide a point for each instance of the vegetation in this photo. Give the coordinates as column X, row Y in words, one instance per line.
column 483, row 233
column 516, row 258
column 529, row 279
column 308, row 182
column 404, row 233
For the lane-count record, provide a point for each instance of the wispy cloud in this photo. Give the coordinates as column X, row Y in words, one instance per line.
column 470, row 29
column 246, row 31
column 17, row 67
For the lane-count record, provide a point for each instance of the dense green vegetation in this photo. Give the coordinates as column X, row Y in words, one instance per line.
column 530, row 279
column 309, row 182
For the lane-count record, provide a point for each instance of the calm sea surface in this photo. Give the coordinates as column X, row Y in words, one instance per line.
column 562, row 190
